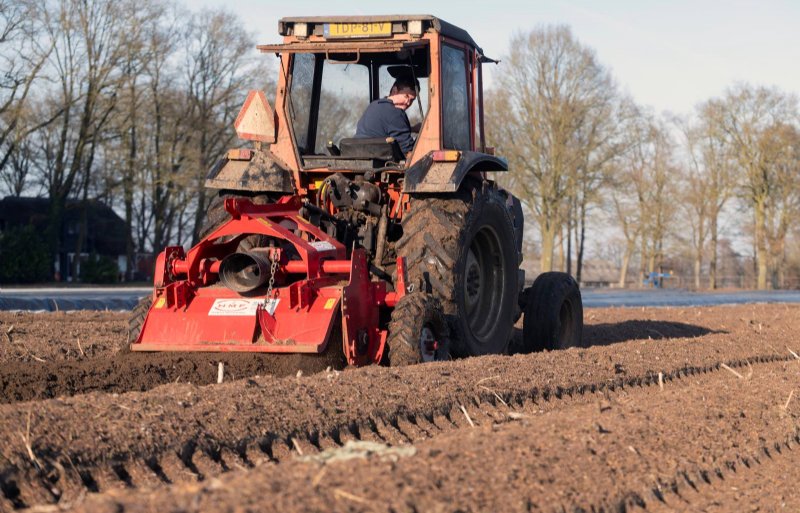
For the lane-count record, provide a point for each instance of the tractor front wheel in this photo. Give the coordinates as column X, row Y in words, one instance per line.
column 136, row 321
column 418, row 331
column 553, row 313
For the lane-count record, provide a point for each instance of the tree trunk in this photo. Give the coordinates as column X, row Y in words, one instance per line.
column 761, row 249
column 84, row 225
column 82, row 232
column 623, row 272
column 643, row 262
column 200, row 213
column 581, row 244
column 568, row 267
column 128, row 180
column 698, row 263
column 54, row 231
column 548, row 246
column 712, row 265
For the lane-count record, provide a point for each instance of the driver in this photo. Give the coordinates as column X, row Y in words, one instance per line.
column 386, row 117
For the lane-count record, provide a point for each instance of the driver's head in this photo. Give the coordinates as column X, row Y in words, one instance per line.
column 404, row 92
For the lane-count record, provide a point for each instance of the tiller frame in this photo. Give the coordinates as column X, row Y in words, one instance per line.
column 191, row 311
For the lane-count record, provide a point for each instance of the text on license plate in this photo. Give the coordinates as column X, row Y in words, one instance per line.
column 372, row 29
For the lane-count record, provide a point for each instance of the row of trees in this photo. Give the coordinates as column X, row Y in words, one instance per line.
column 586, row 159
column 131, row 101
column 127, row 101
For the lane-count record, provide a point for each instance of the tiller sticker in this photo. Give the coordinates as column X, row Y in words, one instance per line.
column 322, row 245
column 241, row 307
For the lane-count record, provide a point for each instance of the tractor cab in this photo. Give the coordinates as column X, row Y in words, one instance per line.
column 333, row 67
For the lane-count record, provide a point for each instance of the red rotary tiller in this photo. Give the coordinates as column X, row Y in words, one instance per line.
column 201, row 302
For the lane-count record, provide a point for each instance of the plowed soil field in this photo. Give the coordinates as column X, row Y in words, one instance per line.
column 665, row 409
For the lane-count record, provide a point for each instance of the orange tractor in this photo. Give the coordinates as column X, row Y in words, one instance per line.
column 319, row 241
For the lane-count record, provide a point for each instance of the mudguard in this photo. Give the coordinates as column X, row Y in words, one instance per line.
column 250, row 170
column 430, row 176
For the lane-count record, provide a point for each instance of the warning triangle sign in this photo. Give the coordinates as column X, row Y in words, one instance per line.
column 256, row 121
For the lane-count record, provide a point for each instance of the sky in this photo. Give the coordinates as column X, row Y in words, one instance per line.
column 669, row 55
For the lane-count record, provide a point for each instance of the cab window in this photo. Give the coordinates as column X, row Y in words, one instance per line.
column 300, row 97
column 455, row 99
column 386, row 81
column 344, row 94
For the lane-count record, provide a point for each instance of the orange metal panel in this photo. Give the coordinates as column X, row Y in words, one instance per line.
column 430, row 135
column 284, row 147
column 324, row 46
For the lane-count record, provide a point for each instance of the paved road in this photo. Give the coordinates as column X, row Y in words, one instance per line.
column 115, row 298
column 61, row 299
column 669, row 297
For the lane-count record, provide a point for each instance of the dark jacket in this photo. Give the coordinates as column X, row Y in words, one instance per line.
column 383, row 119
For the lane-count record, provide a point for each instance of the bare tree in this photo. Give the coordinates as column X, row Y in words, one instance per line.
column 642, row 191
column 141, row 19
column 133, row 102
column 708, row 185
column 169, row 135
column 89, row 40
column 546, row 118
column 602, row 141
column 22, row 57
column 18, row 167
column 626, row 213
column 217, row 71
column 659, row 205
column 783, row 209
column 751, row 117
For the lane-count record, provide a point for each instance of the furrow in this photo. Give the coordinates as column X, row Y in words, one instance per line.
column 138, row 445
column 682, row 491
column 660, row 450
column 126, row 372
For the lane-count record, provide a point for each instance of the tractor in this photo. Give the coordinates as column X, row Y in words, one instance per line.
column 318, row 241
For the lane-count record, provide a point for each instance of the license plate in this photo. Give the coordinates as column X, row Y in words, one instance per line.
column 373, row 29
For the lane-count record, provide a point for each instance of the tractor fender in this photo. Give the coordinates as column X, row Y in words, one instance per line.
column 250, row 170
column 429, row 176
column 514, row 206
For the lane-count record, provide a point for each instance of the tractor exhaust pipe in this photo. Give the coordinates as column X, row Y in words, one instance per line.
column 245, row 272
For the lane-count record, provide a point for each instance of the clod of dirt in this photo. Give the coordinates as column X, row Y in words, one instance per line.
column 361, row 450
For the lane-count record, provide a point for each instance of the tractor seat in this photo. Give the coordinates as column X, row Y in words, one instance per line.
column 378, row 148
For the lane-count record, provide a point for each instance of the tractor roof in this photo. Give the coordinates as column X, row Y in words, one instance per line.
column 315, row 25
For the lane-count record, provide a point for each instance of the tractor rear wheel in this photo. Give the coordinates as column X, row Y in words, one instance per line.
column 136, row 321
column 418, row 331
column 462, row 248
column 553, row 313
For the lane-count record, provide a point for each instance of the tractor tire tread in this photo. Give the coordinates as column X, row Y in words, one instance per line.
column 136, row 321
column 542, row 325
column 411, row 314
column 434, row 235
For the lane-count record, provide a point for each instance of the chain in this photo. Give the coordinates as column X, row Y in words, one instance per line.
column 273, row 267
column 170, row 263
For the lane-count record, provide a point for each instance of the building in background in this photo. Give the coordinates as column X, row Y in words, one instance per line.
column 104, row 235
